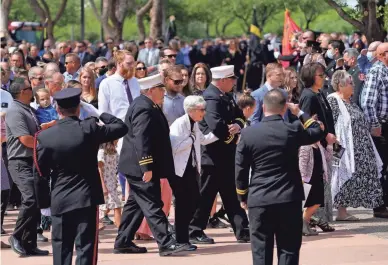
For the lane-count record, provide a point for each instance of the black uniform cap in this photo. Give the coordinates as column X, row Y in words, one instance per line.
column 313, row 43
column 68, row 97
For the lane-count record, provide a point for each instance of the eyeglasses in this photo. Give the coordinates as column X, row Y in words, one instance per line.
column 101, row 67
column 177, row 82
column 171, row 56
column 66, row 63
column 28, row 88
column 200, row 109
column 40, row 78
column 141, row 68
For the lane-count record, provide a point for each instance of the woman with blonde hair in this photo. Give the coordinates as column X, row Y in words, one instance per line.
column 89, row 93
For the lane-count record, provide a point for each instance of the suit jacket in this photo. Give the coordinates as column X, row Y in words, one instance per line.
column 69, row 151
column 149, row 58
column 221, row 111
column 258, row 95
column 358, row 84
column 146, row 146
column 270, row 149
column 87, row 58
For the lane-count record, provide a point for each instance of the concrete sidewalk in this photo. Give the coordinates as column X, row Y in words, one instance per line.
column 364, row 242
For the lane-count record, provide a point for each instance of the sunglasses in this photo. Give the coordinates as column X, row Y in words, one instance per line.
column 177, row 82
column 66, row 63
column 28, row 88
column 141, row 68
column 171, row 56
column 39, row 78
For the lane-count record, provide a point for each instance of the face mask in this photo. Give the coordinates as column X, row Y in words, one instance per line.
column 369, row 55
column 102, row 71
column 330, row 54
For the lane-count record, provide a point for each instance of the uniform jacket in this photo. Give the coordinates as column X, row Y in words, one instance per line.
column 358, row 84
column 69, row 149
column 182, row 143
column 270, row 149
column 147, row 144
column 221, row 111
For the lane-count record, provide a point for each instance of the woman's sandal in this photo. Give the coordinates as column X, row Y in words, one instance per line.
column 324, row 226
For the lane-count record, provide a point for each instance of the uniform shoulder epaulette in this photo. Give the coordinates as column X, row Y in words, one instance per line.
column 308, row 123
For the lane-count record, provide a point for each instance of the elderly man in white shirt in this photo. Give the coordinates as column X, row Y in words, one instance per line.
column 186, row 138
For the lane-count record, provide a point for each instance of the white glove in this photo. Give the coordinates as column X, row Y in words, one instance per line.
column 276, row 54
column 90, row 109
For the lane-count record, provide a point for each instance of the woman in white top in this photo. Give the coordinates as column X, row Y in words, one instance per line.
column 186, row 139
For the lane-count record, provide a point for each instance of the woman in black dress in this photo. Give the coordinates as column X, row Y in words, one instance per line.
column 234, row 57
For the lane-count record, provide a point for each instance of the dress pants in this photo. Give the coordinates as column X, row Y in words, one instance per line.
column 220, row 179
column 25, row 229
column 381, row 144
column 79, row 227
column 144, row 200
column 4, row 203
column 282, row 221
column 186, row 192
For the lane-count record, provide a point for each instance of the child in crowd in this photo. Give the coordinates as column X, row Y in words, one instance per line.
column 313, row 169
column 107, row 166
column 45, row 112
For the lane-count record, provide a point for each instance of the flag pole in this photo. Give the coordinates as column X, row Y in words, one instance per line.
column 247, row 62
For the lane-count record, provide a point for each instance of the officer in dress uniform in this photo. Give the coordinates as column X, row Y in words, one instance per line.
column 225, row 120
column 68, row 153
column 275, row 192
column 145, row 158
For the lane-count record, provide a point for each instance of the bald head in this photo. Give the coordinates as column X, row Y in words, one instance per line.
column 51, row 68
column 274, row 102
column 382, row 53
column 373, row 46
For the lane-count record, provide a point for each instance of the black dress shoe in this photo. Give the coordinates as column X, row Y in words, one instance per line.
column 37, row 252
column 214, row 222
column 173, row 248
column 41, row 238
column 201, row 239
column 16, row 246
column 133, row 249
column 192, row 247
column 244, row 239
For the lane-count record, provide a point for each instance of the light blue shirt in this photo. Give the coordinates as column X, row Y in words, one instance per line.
column 173, row 107
column 69, row 77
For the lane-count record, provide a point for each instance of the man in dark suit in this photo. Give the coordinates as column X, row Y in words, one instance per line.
column 275, row 192
column 350, row 60
column 146, row 157
column 68, row 150
column 84, row 56
column 225, row 120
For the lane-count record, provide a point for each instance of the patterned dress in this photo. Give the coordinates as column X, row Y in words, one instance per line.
column 108, row 155
column 363, row 189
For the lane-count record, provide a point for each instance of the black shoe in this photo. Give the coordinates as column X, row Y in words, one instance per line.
column 214, row 222
column 221, row 214
column 16, row 246
column 173, row 248
column 41, row 238
column 202, row 239
column 37, row 252
column 3, row 231
column 107, row 221
column 380, row 214
column 133, row 249
column 244, row 239
column 192, row 247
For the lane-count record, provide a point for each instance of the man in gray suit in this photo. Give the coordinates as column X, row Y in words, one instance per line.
column 149, row 55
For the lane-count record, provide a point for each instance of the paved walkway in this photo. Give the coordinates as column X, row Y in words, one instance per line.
column 358, row 243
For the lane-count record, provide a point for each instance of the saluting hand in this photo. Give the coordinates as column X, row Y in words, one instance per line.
column 244, row 205
column 147, row 176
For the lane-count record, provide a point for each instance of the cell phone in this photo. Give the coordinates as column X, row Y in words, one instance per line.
column 338, row 150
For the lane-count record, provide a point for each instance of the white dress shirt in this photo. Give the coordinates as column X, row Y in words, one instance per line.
column 112, row 97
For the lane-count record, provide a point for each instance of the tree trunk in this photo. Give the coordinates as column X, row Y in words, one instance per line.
column 140, row 13
column 156, row 14
column 217, row 29
column 4, row 14
column 50, row 31
column 226, row 24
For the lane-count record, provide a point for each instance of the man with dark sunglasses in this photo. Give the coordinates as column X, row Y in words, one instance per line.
column 21, row 125
column 173, row 100
column 36, row 76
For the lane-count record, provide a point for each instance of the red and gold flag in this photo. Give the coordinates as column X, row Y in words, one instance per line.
column 289, row 31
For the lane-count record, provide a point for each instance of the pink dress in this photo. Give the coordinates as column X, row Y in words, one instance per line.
column 166, row 198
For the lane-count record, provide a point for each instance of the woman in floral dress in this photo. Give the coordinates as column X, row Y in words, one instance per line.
column 107, row 166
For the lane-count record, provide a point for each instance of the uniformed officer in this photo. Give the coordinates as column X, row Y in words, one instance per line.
column 275, row 192
column 69, row 150
column 145, row 158
column 225, row 120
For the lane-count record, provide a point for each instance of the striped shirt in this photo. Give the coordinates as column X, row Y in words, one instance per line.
column 374, row 99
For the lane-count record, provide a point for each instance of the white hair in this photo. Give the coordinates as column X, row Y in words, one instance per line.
column 34, row 71
column 192, row 102
column 340, row 79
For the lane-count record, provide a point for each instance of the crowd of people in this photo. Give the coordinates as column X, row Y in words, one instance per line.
column 182, row 125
